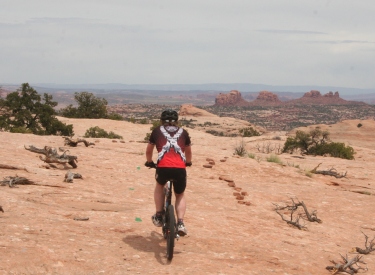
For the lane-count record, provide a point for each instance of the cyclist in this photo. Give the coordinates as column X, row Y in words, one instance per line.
column 174, row 154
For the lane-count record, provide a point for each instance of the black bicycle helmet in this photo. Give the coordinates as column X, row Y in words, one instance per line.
column 169, row 115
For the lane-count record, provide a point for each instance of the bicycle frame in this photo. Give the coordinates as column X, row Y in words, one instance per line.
column 167, row 202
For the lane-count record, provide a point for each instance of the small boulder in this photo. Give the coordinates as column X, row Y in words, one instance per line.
column 231, row 184
column 240, row 197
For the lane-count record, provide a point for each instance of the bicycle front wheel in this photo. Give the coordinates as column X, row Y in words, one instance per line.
column 171, row 231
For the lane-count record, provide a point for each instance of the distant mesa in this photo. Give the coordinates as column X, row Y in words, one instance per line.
column 266, row 98
column 233, row 98
column 315, row 97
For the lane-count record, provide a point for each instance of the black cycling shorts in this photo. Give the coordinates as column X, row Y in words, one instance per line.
column 178, row 175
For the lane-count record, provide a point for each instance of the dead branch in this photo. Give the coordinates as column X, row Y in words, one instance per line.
column 6, row 166
column 51, row 155
column 369, row 247
column 312, row 217
column 12, row 181
column 291, row 222
column 331, row 172
column 347, row 265
column 74, row 142
column 69, row 176
column 292, row 209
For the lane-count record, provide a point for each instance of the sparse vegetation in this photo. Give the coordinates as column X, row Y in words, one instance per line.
column 215, row 133
column 288, row 117
column 308, row 174
column 114, row 116
column 155, row 123
column 240, row 150
column 249, row 132
column 251, row 155
column 274, row 158
column 97, row 132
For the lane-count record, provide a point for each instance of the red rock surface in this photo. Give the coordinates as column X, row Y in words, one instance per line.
column 44, row 227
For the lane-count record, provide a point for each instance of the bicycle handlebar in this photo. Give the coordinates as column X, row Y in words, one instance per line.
column 152, row 164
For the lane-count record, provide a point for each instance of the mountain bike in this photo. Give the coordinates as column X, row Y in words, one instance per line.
column 169, row 227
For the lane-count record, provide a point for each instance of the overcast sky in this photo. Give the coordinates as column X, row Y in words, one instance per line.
column 274, row 42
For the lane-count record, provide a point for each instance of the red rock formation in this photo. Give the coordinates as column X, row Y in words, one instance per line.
column 315, row 97
column 266, row 98
column 234, row 98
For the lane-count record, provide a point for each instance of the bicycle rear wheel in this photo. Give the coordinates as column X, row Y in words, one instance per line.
column 171, row 233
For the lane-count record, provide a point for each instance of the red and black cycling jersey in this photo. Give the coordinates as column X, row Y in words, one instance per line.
column 170, row 142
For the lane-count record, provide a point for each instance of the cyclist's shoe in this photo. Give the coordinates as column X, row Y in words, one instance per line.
column 157, row 220
column 181, row 229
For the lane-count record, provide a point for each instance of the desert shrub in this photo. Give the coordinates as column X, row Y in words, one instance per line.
column 114, row 116
column 155, row 124
column 215, row 133
column 21, row 130
column 97, row 132
column 274, row 158
column 339, row 150
column 131, row 119
column 143, row 121
column 359, row 125
column 308, row 174
column 251, row 155
column 249, row 132
column 240, row 150
column 317, row 142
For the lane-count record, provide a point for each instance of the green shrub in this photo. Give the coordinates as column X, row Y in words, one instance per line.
column 155, row 124
column 316, row 142
column 215, row 133
column 97, row 132
column 274, row 158
column 114, row 116
column 143, row 121
column 249, row 132
column 21, row 130
column 251, row 155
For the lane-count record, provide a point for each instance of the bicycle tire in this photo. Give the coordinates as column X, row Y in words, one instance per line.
column 171, row 233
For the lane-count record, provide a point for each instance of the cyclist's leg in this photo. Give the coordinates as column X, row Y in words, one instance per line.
column 159, row 197
column 179, row 190
column 161, row 180
column 180, row 205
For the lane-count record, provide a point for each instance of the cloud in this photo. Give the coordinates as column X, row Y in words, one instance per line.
column 291, row 32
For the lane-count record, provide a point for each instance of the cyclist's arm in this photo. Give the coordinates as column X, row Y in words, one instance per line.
column 188, row 154
column 149, row 150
